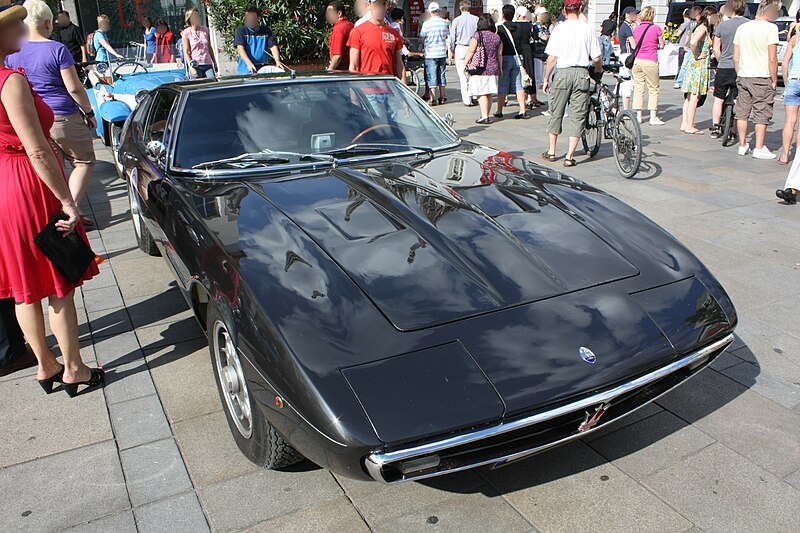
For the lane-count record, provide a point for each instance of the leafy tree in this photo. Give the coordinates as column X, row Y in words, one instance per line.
column 299, row 25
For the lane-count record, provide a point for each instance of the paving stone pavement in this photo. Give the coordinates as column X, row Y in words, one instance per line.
column 152, row 451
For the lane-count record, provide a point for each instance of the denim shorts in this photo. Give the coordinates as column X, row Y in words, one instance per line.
column 434, row 71
column 511, row 80
column 791, row 93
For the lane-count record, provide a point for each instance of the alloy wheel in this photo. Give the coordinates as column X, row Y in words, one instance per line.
column 232, row 380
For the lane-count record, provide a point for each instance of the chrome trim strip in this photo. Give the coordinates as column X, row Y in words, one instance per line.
column 375, row 461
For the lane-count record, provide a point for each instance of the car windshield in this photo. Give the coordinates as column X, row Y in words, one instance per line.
column 345, row 118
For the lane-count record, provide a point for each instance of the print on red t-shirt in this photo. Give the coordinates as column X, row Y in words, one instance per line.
column 377, row 46
column 338, row 42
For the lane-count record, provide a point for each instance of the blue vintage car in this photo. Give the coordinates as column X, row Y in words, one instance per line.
column 114, row 91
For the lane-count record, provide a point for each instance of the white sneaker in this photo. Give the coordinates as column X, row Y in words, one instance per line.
column 656, row 122
column 744, row 149
column 545, row 113
column 676, row 86
column 763, row 153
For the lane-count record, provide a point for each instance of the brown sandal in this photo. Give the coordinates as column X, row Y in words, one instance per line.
column 570, row 162
column 547, row 156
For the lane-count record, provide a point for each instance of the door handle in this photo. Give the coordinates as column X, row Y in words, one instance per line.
column 128, row 157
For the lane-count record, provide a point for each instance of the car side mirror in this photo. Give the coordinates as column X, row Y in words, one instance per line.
column 449, row 119
column 102, row 68
column 156, row 150
column 141, row 94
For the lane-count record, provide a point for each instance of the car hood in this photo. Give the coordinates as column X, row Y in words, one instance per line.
column 453, row 237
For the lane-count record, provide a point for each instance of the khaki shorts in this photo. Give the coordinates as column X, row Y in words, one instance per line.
column 73, row 140
column 756, row 95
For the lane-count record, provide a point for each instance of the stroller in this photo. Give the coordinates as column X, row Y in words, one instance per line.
column 415, row 68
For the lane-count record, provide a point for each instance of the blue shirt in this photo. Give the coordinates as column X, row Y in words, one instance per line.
column 102, row 53
column 256, row 45
column 150, row 40
column 462, row 29
column 435, row 32
column 625, row 33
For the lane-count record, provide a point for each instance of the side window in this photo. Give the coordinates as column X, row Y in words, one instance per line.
column 155, row 127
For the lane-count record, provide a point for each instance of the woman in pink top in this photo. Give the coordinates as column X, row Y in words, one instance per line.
column 197, row 50
column 645, row 69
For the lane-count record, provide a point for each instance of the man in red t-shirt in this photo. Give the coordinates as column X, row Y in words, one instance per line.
column 375, row 46
column 339, row 52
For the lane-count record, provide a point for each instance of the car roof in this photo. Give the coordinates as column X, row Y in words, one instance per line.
column 266, row 79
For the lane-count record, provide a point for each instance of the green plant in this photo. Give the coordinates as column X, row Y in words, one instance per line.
column 554, row 7
column 298, row 25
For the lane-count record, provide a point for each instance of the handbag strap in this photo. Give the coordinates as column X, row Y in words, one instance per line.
column 641, row 40
column 510, row 38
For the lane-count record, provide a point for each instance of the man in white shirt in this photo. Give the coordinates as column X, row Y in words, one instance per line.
column 462, row 29
column 755, row 57
column 574, row 49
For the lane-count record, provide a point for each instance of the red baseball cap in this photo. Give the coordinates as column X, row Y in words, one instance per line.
column 573, row 3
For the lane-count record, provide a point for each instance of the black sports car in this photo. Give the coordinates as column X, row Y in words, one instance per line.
column 393, row 302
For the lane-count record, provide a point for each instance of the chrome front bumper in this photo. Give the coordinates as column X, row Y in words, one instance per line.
column 394, row 466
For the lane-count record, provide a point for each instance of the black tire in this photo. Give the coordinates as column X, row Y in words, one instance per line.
column 115, row 133
column 419, row 79
column 728, row 131
column 592, row 134
column 627, row 144
column 256, row 438
column 143, row 236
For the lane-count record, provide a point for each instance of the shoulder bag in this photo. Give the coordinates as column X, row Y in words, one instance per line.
column 527, row 81
column 477, row 64
column 631, row 58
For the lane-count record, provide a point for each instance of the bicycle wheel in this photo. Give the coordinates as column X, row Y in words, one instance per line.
column 419, row 78
column 728, row 132
column 592, row 134
column 627, row 144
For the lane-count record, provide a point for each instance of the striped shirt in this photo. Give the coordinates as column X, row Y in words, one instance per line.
column 435, row 32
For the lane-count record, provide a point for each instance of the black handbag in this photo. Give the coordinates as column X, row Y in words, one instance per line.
column 631, row 58
column 70, row 255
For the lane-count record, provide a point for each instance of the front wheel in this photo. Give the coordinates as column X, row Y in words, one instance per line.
column 627, row 144
column 592, row 134
column 255, row 436
column 115, row 132
column 143, row 236
column 419, row 79
column 728, row 131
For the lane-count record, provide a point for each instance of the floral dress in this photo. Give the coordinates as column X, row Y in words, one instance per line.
column 696, row 80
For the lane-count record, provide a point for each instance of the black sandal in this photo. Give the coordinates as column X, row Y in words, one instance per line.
column 442, row 101
column 570, row 162
column 97, row 377
column 547, row 156
column 47, row 384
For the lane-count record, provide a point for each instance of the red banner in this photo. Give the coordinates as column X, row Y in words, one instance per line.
column 416, row 8
column 476, row 7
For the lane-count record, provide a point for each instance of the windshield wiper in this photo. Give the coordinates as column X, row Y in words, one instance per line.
column 376, row 149
column 264, row 158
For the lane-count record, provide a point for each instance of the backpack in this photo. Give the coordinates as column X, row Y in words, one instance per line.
column 90, row 49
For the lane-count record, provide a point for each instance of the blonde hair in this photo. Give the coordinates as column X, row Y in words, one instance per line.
column 103, row 18
column 647, row 14
column 188, row 14
column 39, row 13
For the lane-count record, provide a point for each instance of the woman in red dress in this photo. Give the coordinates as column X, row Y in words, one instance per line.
column 32, row 190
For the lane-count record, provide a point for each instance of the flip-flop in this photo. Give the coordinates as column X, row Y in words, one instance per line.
column 781, row 162
column 696, row 132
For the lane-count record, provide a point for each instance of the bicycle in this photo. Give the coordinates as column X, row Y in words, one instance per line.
column 605, row 118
